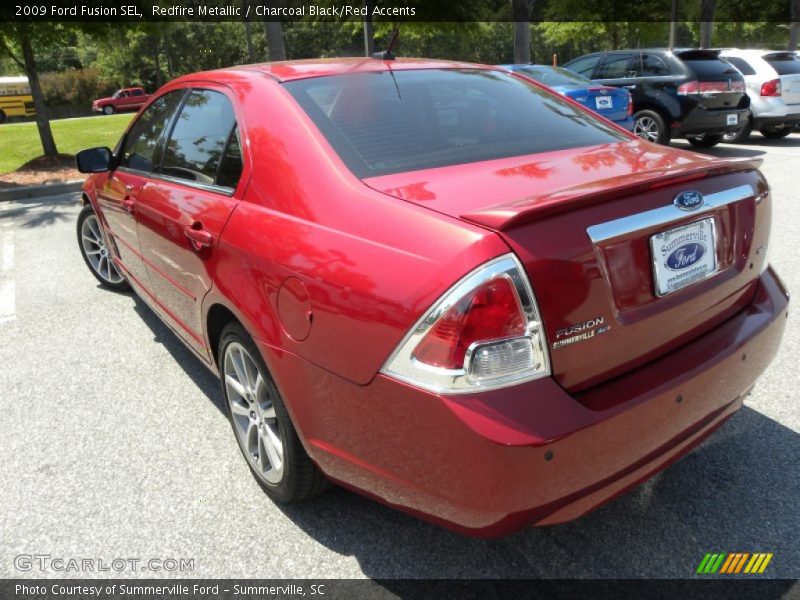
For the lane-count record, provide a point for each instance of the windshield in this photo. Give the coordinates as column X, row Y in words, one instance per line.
column 553, row 75
column 391, row 122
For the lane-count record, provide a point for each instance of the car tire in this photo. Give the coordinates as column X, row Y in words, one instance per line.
column 704, row 141
column 651, row 126
column 776, row 134
column 108, row 110
column 2, row 117
column 740, row 135
column 95, row 253
column 261, row 424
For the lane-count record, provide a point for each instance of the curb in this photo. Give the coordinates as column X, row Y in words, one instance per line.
column 36, row 191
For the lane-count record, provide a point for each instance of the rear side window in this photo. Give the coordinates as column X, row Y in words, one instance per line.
column 141, row 146
column 390, row 122
column 653, row 66
column 618, row 66
column 784, row 64
column 230, row 167
column 199, row 137
column 137, row 93
column 584, row 66
column 741, row 64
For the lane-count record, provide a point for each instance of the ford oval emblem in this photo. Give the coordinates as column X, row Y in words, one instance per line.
column 685, row 256
column 689, row 200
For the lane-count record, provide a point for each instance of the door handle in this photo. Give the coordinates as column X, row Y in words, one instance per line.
column 129, row 205
column 199, row 237
column 129, row 188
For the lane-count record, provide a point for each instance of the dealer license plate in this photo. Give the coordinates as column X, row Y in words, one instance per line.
column 602, row 102
column 733, row 119
column 683, row 256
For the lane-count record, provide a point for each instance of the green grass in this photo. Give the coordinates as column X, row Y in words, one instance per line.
column 19, row 142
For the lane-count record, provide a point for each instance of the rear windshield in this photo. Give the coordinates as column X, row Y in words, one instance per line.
column 553, row 75
column 712, row 69
column 391, row 122
column 784, row 64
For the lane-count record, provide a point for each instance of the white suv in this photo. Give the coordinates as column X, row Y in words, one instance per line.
column 773, row 84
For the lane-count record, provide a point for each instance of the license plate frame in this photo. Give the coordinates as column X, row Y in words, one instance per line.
column 674, row 253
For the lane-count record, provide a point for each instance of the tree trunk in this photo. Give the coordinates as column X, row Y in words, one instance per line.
column 706, row 22
column 42, row 122
column 673, row 24
column 794, row 26
column 275, row 46
column 369, row 30
column 521, row 11
column 248, row 33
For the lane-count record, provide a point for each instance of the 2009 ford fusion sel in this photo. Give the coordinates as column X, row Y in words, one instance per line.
column 439, row 284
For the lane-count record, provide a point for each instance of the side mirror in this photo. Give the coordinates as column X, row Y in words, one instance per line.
column 94, row 160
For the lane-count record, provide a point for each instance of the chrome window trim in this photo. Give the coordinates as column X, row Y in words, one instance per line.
column 225, row 191
column 665, row 215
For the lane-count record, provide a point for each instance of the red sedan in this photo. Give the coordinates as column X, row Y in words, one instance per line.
column 439, row 284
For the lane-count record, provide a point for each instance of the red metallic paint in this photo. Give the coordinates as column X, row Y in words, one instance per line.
column 369, row 260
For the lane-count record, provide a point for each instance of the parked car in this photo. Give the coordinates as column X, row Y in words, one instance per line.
column 773, row 84
column 681, row 93
column 439, row 284
column 614, row 104
column 125, row 99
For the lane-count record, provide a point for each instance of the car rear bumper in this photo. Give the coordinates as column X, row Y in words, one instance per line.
column 700, row 121
column 780, row 122
column 491, row 463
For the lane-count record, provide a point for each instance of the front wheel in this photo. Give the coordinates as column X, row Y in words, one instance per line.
column 650, row 126
column 108, row 110
column 776, row 134
column 2, row 117
column 261, row 423
column 705, row 140
column 95, row 253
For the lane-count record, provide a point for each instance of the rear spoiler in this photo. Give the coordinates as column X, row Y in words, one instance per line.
column 510, row 214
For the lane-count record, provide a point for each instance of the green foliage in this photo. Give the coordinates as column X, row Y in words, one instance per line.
column 20, row 141
column 75, row 87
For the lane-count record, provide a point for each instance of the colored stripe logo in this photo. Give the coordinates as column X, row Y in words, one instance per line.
column 734, row 562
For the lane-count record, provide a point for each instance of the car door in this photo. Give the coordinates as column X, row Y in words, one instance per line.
column 136, row 156
column 181, row 212
column 620, row 70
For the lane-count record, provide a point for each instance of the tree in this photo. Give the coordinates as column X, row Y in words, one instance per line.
column 706, row 22
column 794, row 26
column 369, row 30
column 24, row 35
column 522, row 10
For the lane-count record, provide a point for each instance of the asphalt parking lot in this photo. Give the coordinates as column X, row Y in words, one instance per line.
column 115, row 445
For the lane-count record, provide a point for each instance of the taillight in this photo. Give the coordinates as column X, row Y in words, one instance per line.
column 630, row 105
column 771, row 88
column 710, row 87
column 484, row 333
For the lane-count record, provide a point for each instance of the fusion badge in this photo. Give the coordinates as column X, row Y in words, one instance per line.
column 580, row 332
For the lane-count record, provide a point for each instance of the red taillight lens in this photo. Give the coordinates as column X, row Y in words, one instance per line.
column 489, row 312
column 710, row 87
column 771, row 88
column 630, row 105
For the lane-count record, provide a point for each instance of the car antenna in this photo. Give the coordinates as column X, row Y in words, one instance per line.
column 387, row 54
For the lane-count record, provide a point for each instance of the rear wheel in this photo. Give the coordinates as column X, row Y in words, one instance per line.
column 261, row 423
column 95, row 253
column 108, row 110
column 2, row 117
column 650, row 126
column 776, row 134
column 705, row 140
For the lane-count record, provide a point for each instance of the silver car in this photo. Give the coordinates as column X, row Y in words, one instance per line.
column 773, row 84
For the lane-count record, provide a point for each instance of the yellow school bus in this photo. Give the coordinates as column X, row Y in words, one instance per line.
column 15, row 98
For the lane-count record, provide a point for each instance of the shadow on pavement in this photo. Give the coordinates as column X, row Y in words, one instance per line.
column 31, row 214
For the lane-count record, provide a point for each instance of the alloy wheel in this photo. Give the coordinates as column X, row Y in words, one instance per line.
column 97, row 253
column 253, row 413
column 647, row 129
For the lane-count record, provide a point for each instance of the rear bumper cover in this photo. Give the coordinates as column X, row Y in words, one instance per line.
column 780, row 122
column 489, row 464
column 700, row 121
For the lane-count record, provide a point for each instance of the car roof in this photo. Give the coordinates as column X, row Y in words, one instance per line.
column 322, row 67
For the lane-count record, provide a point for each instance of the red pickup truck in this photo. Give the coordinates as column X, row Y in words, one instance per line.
column 124, row 99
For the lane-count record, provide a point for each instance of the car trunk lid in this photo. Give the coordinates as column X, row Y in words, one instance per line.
column 718, row 84
column 610, row 102
column 585, row 241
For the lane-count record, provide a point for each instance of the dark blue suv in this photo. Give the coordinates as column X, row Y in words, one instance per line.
column 676, row 93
